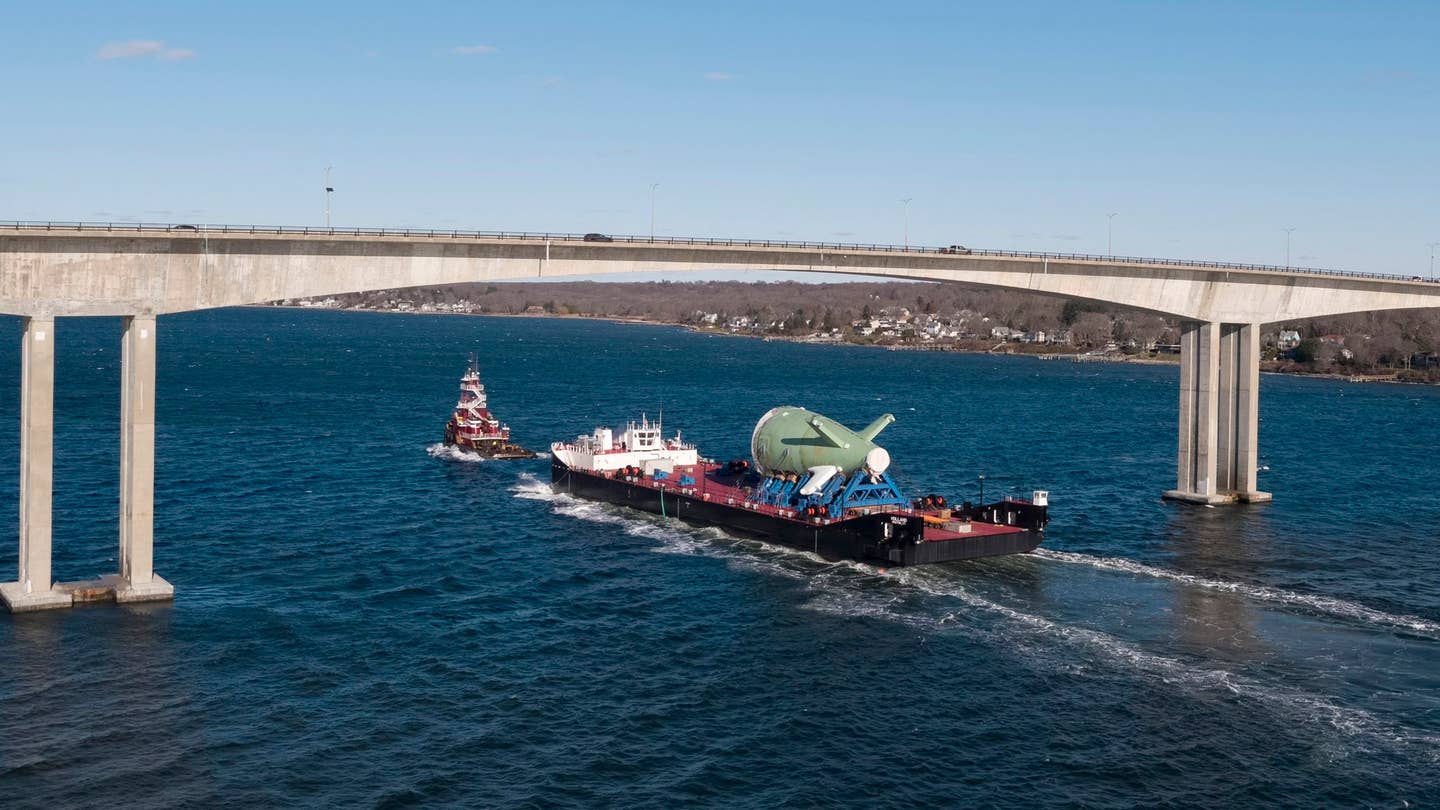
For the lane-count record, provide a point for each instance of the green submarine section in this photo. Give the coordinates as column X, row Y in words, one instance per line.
column 812, row 462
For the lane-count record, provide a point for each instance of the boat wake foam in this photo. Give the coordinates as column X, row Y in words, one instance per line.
column 672, row 537
column 1291, row 703
column 450, row 452
column 849, row 588
column 532, row 489
column 1339, row 608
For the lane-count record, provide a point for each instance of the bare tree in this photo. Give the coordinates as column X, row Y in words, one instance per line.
column 1092, row 329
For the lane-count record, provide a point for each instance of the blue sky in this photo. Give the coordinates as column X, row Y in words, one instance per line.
column 1207, row 127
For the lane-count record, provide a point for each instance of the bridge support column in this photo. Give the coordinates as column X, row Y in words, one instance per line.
column 1199, row 401
column 1239, row 433
column 1219, row 414
column 137, row 581
column 33, row 587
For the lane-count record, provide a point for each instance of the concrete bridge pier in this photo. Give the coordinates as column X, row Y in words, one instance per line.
column 137, row 581
column 1219, row 414
column 33, row 588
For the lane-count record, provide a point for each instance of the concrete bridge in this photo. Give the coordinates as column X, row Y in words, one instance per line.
column 57, row 270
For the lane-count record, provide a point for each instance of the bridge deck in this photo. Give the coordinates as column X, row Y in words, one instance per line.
column 171, row 230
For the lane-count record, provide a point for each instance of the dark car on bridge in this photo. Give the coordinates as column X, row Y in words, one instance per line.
column 598, row 237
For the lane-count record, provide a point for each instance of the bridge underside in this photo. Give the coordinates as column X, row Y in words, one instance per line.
column 99, row 273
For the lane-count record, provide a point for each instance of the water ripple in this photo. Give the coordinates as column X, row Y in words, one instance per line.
column 1340, row 608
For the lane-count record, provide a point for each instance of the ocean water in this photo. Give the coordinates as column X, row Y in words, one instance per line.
column 364, row 618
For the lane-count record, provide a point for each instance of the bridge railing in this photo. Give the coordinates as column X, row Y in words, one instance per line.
column 300, row 230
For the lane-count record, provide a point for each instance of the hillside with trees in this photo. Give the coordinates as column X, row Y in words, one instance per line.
column 1402, row 343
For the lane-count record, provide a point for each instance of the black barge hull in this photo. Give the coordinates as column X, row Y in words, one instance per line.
column 881, row 538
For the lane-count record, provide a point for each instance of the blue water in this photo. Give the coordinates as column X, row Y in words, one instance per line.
column 363, row 619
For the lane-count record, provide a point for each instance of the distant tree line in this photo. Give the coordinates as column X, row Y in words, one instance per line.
column 1405, row 341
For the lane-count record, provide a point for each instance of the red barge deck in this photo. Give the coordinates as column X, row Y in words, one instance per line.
column 890, row 534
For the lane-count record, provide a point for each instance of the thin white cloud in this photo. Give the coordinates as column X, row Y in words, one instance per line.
column 471, row 50
column 138, row 48
column 130, row 49
column 717, row 76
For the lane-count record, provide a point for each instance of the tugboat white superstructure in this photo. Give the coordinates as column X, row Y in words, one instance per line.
column 473, row 427
column 815, row 485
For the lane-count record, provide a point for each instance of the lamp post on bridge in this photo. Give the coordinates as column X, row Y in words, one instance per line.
column 328, row 192
column 1287, row 231
column 1433, row 245
column 653, row 186
column 905, row 203
column 1110, row 234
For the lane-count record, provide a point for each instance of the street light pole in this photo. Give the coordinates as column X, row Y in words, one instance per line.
column 653, row 186
column 1287, row 231
column 1433, row 245
column 906, row 203
column 328, row 192
column 1110, row 234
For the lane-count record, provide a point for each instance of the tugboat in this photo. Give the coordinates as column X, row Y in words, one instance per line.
column 814, row 485
column 474, row 428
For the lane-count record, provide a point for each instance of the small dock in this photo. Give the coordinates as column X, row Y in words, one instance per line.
column 1084, row 358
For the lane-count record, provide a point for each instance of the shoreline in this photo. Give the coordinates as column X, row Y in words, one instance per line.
column 1048, row 356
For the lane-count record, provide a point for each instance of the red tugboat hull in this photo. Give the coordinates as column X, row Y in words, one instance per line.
column 497, row 448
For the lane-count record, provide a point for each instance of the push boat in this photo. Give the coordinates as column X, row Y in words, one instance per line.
column 814, row 485
column 474, row 428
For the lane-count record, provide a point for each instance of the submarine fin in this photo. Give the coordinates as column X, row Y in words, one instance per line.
column 824, row 430
column 873, row 429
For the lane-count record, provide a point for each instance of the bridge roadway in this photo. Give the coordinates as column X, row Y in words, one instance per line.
column 140, row 271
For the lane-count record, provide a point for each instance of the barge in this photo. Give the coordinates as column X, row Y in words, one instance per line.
column 814, row 485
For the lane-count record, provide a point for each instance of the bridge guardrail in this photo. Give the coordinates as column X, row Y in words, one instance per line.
column 301, row 230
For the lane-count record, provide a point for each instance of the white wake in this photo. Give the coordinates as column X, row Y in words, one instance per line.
column 1342, row 608
column 848, row 588
column 450, row 452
